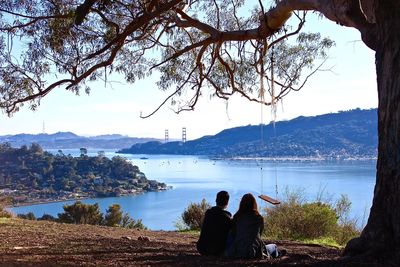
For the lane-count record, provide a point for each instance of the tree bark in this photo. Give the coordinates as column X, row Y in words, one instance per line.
column 381, row 236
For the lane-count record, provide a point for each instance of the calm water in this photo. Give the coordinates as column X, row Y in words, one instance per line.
column 194, row 178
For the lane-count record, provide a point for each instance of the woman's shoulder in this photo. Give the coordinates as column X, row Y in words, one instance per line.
column 252, row 215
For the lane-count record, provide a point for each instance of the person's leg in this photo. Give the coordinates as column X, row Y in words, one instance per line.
column 272, row 250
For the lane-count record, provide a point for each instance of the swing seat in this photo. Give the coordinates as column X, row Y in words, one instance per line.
column 269, row 199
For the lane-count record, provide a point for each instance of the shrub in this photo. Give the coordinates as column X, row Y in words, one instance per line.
column 3, row 212
column 295, row 219
column 80, row 213
column 346, row 231
column 47, row 217
column 113, row 216
column 193, row 215
column 28, row 216
column 128, row 222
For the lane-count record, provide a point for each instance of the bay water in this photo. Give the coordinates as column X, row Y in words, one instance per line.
column 193, row 178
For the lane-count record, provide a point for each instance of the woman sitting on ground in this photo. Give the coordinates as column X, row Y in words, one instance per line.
column 247, row 226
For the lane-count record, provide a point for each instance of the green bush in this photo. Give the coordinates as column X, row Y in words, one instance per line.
column 47, row 217
column 3, row 212
column 345, row 232
column 128, row 222
column 80, row 213
column 193, row 215
column 294, row 219
column 113, row 215
column 28, row 216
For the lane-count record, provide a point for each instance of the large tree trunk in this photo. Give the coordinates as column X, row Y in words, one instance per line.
column 381, row 236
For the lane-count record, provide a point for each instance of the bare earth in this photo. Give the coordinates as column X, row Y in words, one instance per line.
column 36, row 243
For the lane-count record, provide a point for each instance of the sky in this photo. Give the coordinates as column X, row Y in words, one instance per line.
column 116, row 109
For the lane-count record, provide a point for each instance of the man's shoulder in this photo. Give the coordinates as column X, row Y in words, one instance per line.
column 227, row 213
column 218, row 210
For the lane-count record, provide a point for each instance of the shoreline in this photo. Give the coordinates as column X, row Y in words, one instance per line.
column 300, row 159
column 47, row 201
column 33, row 203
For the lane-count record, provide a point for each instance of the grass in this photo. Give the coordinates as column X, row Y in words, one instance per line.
column 4, row 220
column 323, row 241
column 190, row 232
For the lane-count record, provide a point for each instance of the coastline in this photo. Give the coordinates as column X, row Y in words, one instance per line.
column 47, row 201
column 298, row 159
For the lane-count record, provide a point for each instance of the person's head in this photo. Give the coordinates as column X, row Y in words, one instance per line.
column 222, row 199
column 248, row 204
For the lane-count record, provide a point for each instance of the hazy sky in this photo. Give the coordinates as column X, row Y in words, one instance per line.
column 116, row 109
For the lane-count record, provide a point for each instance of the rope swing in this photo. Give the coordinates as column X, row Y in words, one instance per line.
column 273, row 107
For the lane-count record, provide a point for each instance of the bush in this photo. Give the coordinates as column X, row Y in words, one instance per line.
column 193, row 215
column 294, row 219
column 47, row 217
column 128, row 222
column 113, row 216
column 28, row 216
column 80, row 213
column 3, row 212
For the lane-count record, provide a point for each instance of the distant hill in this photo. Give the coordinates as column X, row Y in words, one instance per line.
column 64, row 140
column 346, row 134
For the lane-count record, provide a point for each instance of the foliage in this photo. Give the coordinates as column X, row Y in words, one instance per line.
column 296, row 219
column 80, row 213
column 113, row 215
column 193, row 44
column 4, row 213
column 128, row 222
column 193, row 215
column 28, row 216
column 43, row 175
column 47, row 217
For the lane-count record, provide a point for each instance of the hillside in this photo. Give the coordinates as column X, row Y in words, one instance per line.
column 65, row 140
column 29, row 174
column 41, row 243
column 347, row 134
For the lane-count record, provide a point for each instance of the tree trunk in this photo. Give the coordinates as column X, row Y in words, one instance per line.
column 381, row 236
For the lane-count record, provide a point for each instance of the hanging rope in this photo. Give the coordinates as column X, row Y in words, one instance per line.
column 273, row 111
column 262, row 98
column 273, row 107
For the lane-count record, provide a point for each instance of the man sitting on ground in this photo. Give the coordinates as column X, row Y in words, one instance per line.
column 216, row 225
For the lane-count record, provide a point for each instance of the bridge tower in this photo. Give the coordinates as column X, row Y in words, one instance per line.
column 184, row 134
column 166, row 136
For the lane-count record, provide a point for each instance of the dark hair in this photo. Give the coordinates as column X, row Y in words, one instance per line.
column 248, row 204
column 222, row 198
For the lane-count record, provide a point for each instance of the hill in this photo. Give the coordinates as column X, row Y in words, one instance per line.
column 65, row 140
column 29, row 175
column 347, row 134
column 41, row 243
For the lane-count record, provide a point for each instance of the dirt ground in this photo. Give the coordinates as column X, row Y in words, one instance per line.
column 38, row 243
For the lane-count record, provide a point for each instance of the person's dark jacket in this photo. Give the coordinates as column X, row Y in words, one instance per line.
column 214, row 232
column 247, row 230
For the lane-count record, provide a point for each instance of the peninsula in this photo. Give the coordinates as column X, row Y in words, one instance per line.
column 31, row 175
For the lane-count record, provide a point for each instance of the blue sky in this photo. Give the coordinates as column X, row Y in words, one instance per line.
column 116, row 109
